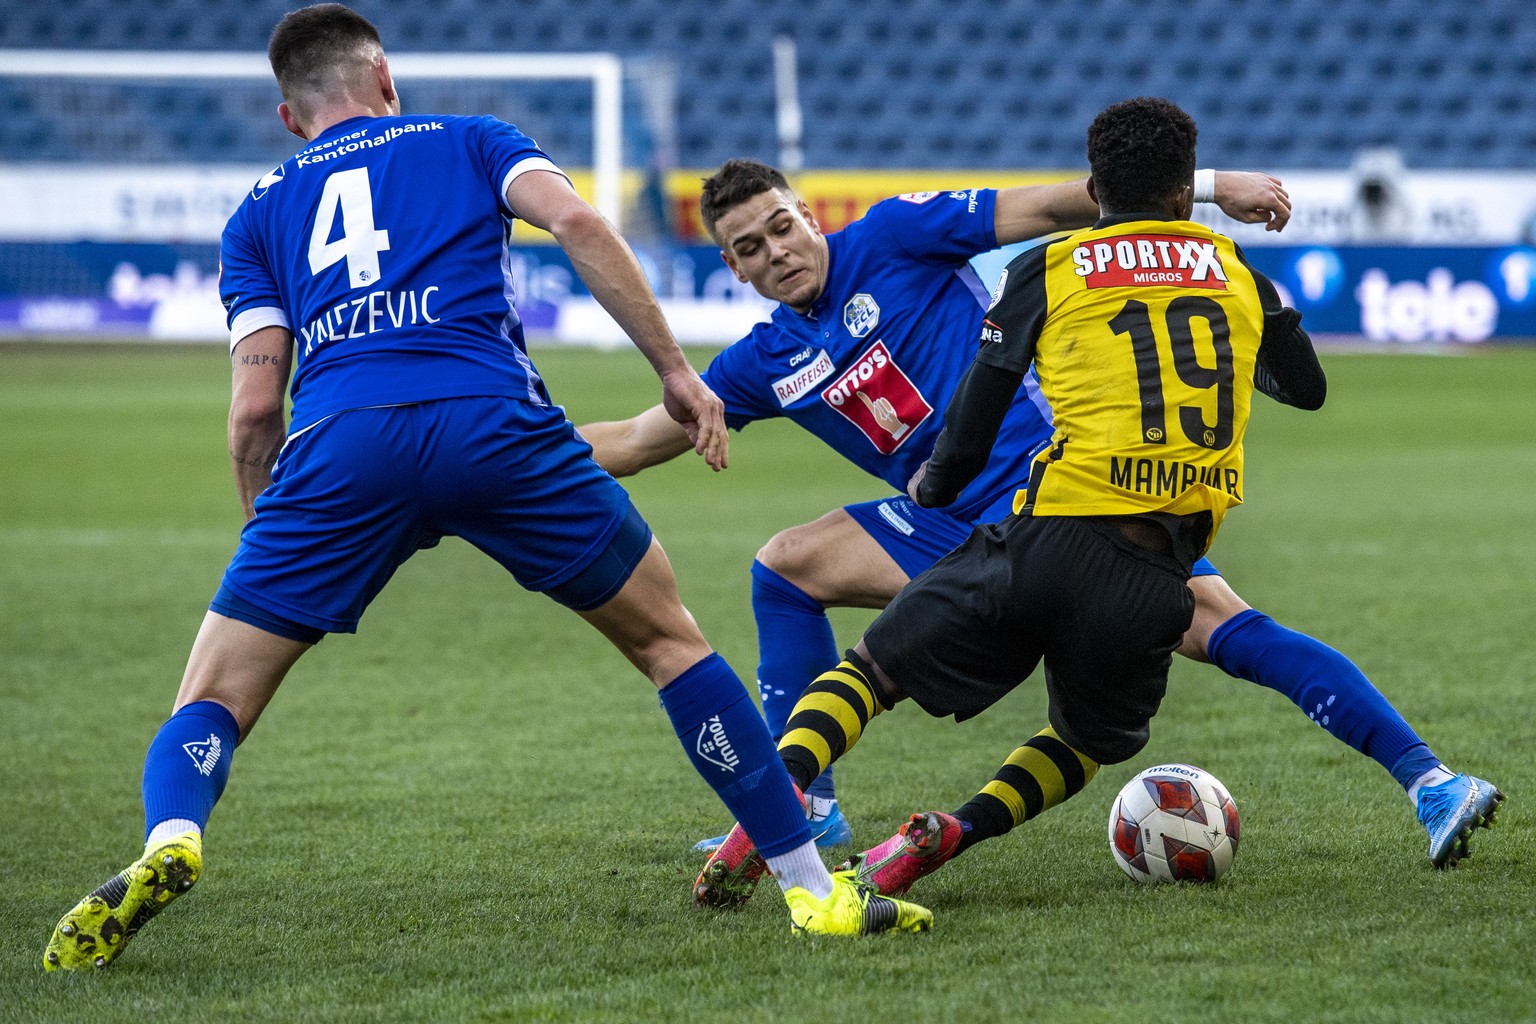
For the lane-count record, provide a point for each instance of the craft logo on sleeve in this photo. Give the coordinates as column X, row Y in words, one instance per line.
column 878, row 398
column 1150, row 260
column 861, row 315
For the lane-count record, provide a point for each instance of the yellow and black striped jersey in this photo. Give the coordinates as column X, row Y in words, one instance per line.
column 1144, row 334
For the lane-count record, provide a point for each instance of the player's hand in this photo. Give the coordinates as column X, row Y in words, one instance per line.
column 1253, row 198
column 700, row 413
column 916, row 482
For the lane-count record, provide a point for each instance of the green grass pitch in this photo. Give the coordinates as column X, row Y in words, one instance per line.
column 474, row 810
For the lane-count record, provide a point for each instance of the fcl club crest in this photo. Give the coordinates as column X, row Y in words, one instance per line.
column 861, row 315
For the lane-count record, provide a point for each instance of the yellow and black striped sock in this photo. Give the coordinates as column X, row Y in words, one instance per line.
column 1036, row 777
column 828, row 719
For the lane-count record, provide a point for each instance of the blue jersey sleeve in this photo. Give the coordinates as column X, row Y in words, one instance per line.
column 738, row 376
column 507, row 153
column 247, row 288
column 941, row 228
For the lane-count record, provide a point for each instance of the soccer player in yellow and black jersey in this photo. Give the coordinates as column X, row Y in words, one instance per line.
column 1147, row 333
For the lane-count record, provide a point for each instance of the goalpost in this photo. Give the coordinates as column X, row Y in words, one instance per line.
column 121, row 169
column 603, row 70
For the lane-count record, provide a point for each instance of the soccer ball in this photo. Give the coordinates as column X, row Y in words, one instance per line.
column 1173, row 823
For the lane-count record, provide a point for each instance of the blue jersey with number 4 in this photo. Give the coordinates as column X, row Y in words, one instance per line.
column 382, row 247
column 872, row 367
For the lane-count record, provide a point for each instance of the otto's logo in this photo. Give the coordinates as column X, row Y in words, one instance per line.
column 1149, row 260
column 205, row 754
column 269, row 179
column 861, row 315
column 715, row 747
column 916, row 197
column 879, row 399
column 991, row 334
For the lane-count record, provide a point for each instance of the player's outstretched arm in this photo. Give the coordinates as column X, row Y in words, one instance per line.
column 625, row 447
column 1253, row 197
column 1030, row 211
column 610, row 271
column 257, row 424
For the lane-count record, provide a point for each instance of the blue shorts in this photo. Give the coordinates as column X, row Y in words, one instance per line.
column 916, row 537
column 357, row 494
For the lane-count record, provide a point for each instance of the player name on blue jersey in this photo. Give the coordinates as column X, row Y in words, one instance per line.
column 365, row 314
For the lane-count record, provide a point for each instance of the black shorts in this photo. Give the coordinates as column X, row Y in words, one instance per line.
column 1104, row 613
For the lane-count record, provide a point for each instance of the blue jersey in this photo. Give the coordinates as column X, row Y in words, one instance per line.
column 873, row 366
column 382, row 247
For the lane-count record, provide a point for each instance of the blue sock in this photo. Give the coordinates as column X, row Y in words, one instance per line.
column 795, row 645
column 1319, row 680
column 729, row 746
column 188, row 764
column 1415, row 761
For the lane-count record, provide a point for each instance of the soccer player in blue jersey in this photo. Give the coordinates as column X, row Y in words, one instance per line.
column 875, row 327
column 372, row 264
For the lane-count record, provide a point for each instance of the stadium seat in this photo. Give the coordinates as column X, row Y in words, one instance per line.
column 889, row 83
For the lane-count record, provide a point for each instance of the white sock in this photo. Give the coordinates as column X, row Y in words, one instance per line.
column 821, row 806
column 1435, row 776
column 170, row 829
column 801, row 868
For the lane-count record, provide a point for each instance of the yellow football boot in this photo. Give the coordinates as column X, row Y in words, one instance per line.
column 854, row 908
column 95, row 932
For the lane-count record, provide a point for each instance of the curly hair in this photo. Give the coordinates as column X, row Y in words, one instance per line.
column 733, row 184
column 1141, row 152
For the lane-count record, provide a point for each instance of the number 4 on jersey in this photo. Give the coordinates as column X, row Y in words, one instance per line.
column 360, row 242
